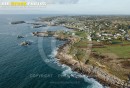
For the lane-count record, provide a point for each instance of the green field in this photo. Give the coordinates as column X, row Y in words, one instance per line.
column 81, row 33
column 81, row 43
column 120, row 51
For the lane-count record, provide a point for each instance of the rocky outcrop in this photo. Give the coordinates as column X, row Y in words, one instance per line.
column 92, row 71
column 17, row 22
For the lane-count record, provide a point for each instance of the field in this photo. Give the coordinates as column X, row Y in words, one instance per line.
column 116, row 59
column 113, row 57
column 119, row 50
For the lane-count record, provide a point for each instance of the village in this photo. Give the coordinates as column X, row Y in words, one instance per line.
column 100, row 41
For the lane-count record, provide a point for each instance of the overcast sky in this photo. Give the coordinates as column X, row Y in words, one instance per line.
column 74, row 7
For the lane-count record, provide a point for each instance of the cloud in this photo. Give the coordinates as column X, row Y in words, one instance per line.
column 49, row 1
column 62, row 1
column 57, row 1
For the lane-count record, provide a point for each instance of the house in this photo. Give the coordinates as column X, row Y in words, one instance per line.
column 128, row 39
column 73, row 34
column 98, row 34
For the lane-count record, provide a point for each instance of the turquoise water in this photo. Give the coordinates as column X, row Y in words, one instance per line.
column 25, row 67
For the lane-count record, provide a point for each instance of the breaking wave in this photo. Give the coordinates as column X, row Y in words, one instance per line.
column 67, row 72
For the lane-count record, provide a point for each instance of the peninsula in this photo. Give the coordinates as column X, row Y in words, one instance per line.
column 98, row 46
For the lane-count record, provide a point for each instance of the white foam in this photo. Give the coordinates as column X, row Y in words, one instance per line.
column 54, row 53
column 69, row 73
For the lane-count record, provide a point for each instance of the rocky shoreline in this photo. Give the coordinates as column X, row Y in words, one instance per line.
column 99, row 74
column 95, row 72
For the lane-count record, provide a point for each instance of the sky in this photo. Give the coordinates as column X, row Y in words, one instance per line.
column 105, row 7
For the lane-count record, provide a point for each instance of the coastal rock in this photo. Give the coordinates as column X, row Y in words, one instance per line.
column 17, row 22
column 25, row 43
column 95, row 72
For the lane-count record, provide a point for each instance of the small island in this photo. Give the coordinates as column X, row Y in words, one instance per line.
column 17, row 22
column 25, row 43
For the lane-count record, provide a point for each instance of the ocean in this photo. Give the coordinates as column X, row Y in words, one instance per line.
column 34, row 66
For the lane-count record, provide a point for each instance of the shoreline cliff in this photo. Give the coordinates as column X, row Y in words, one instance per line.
column 97, row 73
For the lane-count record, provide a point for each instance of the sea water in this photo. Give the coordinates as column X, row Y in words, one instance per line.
column 26, row 67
